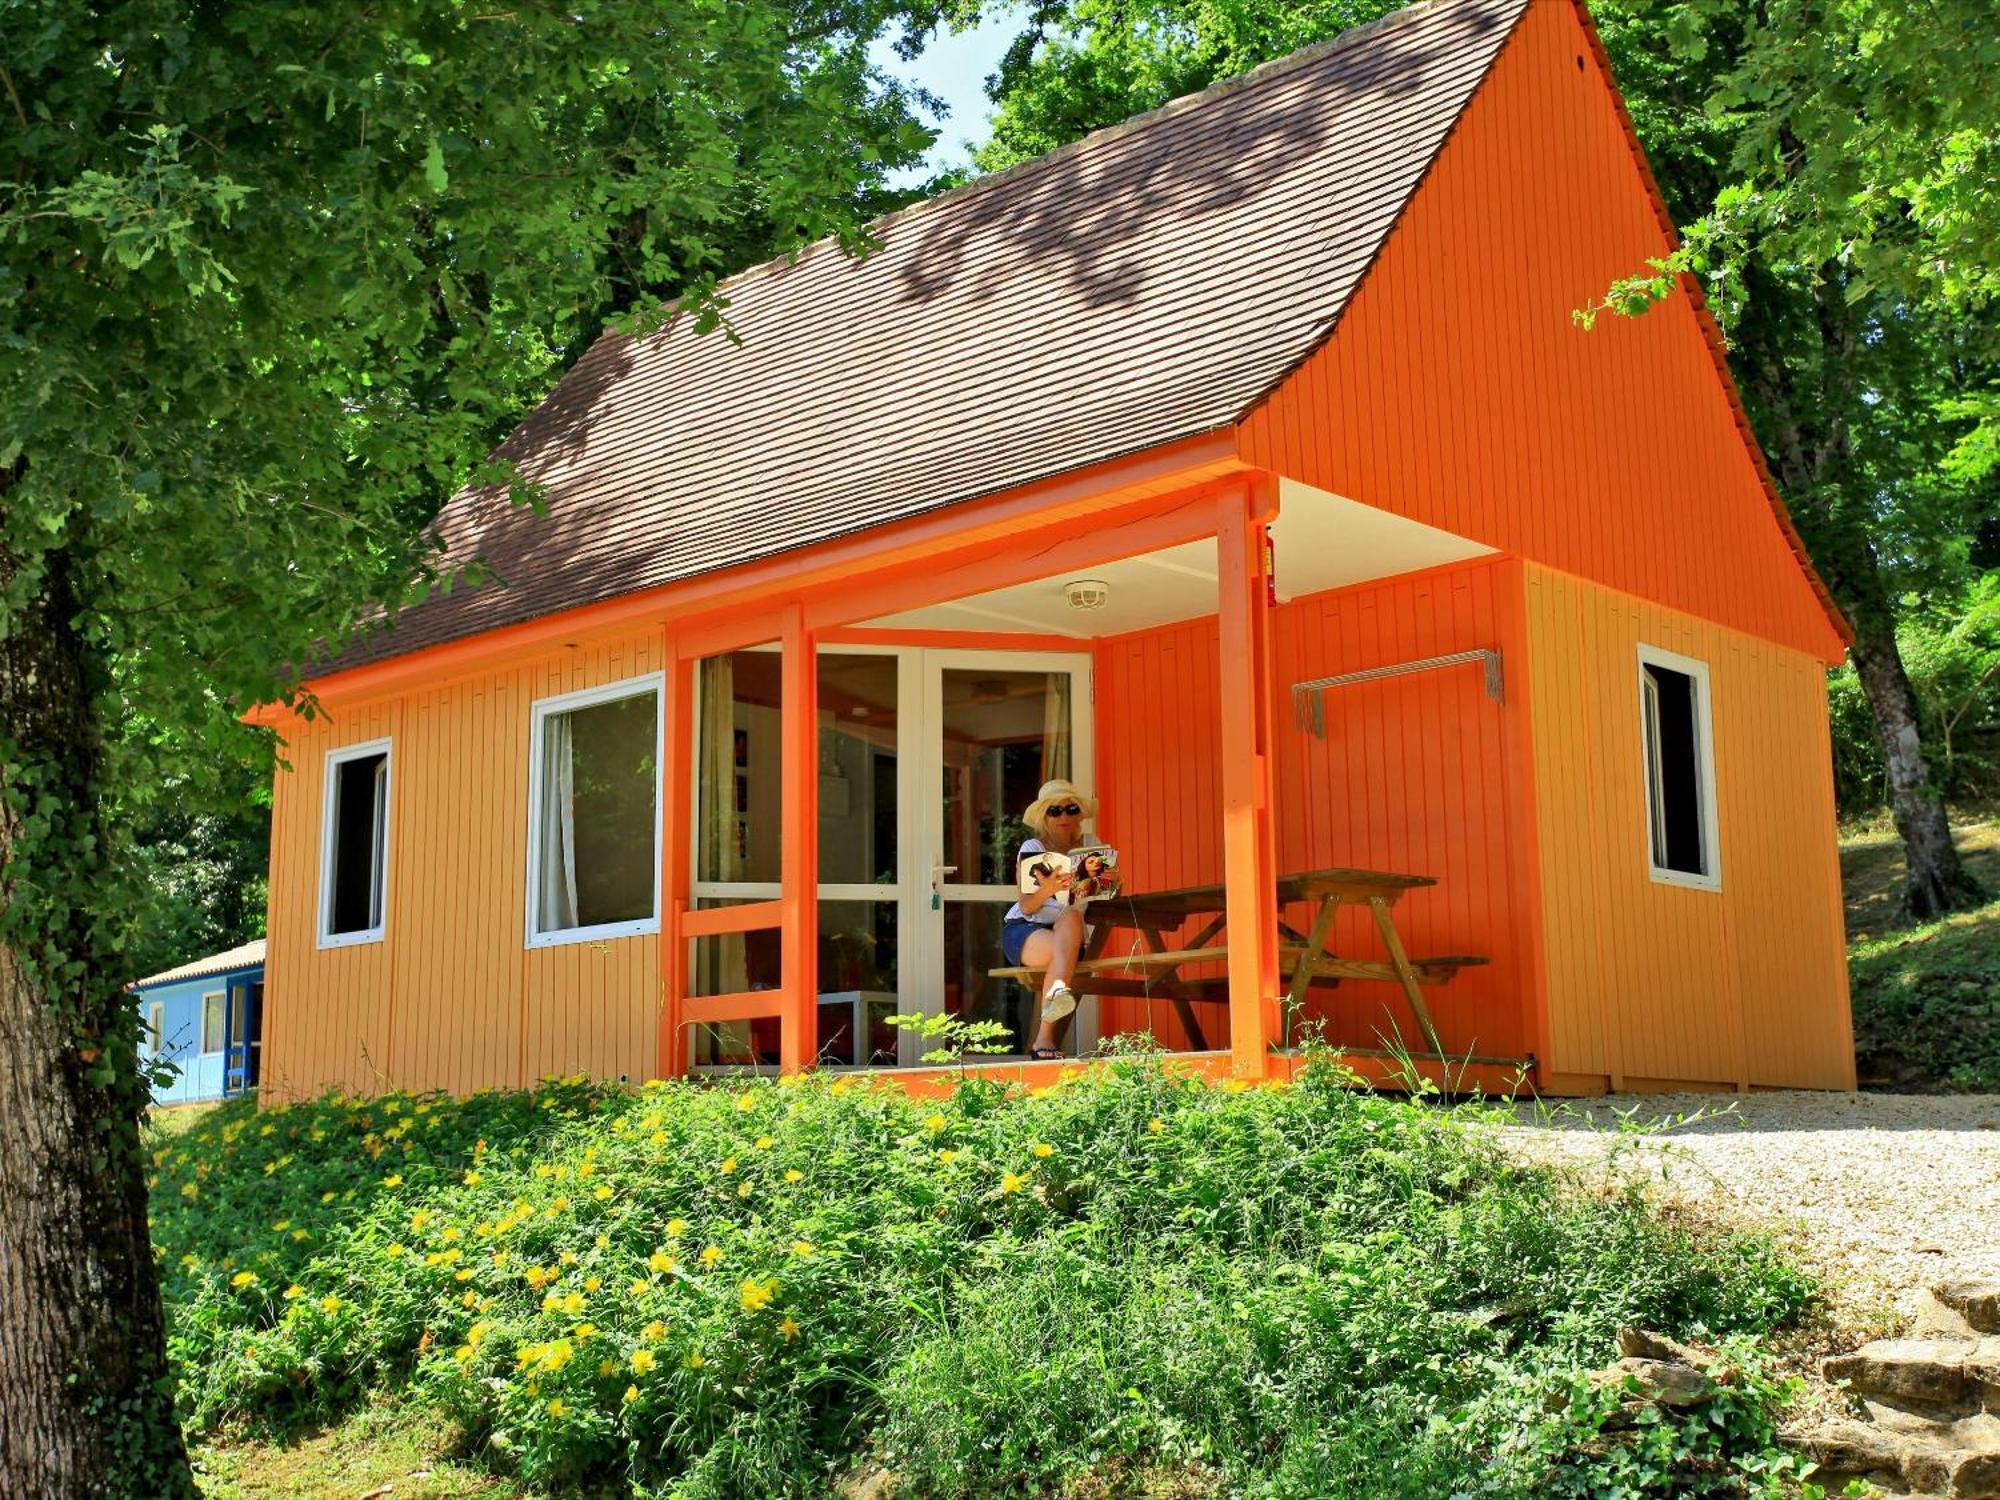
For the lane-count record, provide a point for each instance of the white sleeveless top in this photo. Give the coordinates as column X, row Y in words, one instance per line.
column 1049, row 912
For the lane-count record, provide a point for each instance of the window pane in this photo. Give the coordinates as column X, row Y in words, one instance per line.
column 600, row 775
column 857, row 981
column 1674, row 769
column 736, row 768
column 211, row 1023
column 1005, row 733
column 857, row 769
column 360, row 822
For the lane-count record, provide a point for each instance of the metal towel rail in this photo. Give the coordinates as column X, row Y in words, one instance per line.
column 1309, row 703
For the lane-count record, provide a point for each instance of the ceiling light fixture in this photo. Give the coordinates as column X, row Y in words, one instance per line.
column 1087, row 593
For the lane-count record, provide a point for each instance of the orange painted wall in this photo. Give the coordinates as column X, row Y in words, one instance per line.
column 449, row 998
column 1417, row 774
column 1457, row 390
column 1746, row 985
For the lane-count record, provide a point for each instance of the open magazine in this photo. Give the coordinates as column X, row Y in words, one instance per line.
column 1093, row 873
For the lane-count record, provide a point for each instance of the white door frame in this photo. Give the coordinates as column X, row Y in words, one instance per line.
column 923, row 812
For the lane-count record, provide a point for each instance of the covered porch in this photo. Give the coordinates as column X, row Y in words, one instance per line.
column 852, row 760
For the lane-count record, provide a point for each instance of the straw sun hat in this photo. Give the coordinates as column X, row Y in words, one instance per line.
column 1053, row 792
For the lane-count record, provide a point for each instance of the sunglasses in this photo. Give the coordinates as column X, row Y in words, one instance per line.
column 1065, row 810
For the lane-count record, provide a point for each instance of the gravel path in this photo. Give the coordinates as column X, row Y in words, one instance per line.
column 1881, row 1194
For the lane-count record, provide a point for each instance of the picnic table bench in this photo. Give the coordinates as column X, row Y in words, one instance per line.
column 1155, row 969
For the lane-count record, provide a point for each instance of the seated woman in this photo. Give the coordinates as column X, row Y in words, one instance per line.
column 1041, row 931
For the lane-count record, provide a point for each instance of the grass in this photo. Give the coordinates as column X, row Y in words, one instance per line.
column 1134, row 1283
column 1926, row 998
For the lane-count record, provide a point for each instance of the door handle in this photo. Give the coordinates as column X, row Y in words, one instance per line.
column 938, row 873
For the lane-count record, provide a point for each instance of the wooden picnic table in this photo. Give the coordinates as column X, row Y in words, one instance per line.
column 1155, row 968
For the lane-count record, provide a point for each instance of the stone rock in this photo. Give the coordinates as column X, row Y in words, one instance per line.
column 1854, row 1450
column 1930, row 1372
column 1974, row 1298
column 1667, row 1382
column 1640, row 1343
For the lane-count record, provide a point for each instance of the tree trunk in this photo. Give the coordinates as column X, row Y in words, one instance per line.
column 1936, row 881
column 87, row 1404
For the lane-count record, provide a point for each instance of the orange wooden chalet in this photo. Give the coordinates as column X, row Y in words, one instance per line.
column 1243, row 464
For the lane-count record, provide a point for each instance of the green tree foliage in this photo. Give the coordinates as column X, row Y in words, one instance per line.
column 275, row 277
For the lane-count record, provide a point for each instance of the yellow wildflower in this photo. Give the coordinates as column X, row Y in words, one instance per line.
column 662, row 1262
column 585, row 1332
column 711, row 1255
column 642, row 1361
column 803, row 1249
column 499, row 1257
column 936, row 1123
column 556, row 1408
column 654, row 1331
column 419, row 1219
column 294, row 1292
column 1011, row 1182
column 394, row 1179
column 600, row 1192
column 793, row 1174
column 789, row 1328
column 282, row 1225
column 592, row 1283
column 756, row 1295
column 243, row 1278
column 330, row 1305
column 631, row 1393
column 560, row 1354
column 393, row 1251
column 449, row 1235
column 1156, row 1125
column 471, row 1298
column 745, row 1104
column 676, row 1228
column 463, row 1353
column 695, row 1361
column 947, row 1157
column 326, row 1197
column 637, row 1288
column 765, row 1143
column 606, row 1366
column 574, row 1303
column 728, row 1164
column 568, row 1257
column 1042, row 1149
column 742, row 1189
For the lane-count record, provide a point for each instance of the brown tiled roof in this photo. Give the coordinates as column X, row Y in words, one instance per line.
column 1148, row 283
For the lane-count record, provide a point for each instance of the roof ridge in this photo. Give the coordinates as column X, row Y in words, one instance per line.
column 1105, row 134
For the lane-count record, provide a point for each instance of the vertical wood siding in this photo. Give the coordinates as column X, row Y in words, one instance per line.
column 1458, row 391
column 450, row 998
column 1648, row 981
column 1415, row 775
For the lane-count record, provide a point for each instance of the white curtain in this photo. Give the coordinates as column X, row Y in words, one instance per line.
column 557, row 884
column 1055, row 727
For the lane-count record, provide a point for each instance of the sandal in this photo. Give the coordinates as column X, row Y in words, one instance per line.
column 1059, row 1002
column 1047, row 1054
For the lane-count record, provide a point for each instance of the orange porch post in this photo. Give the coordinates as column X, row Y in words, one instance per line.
column 799, row 862
column 676, row 856
column 1249, row 846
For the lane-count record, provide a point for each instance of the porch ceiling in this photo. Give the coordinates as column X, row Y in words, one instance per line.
column 1320, row 540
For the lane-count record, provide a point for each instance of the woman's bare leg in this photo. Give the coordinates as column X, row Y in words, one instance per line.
column 1054, row 952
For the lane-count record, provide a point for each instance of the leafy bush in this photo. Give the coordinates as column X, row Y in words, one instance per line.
column 1305, row 1290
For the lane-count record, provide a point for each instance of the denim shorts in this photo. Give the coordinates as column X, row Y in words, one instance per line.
column 1014, row 937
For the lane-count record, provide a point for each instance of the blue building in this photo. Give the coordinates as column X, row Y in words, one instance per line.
column 207, row 1018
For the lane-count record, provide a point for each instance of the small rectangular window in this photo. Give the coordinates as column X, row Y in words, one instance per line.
column 156, row 1028
column 1680, row 779
column 354, row 873
column 212, row 1009
column 593, row 838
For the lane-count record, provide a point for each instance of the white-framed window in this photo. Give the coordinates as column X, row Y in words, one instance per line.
column 354, row 845
column 156, row 1028
column 214, row 1008
column 1677, row 738
column 594, row 762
